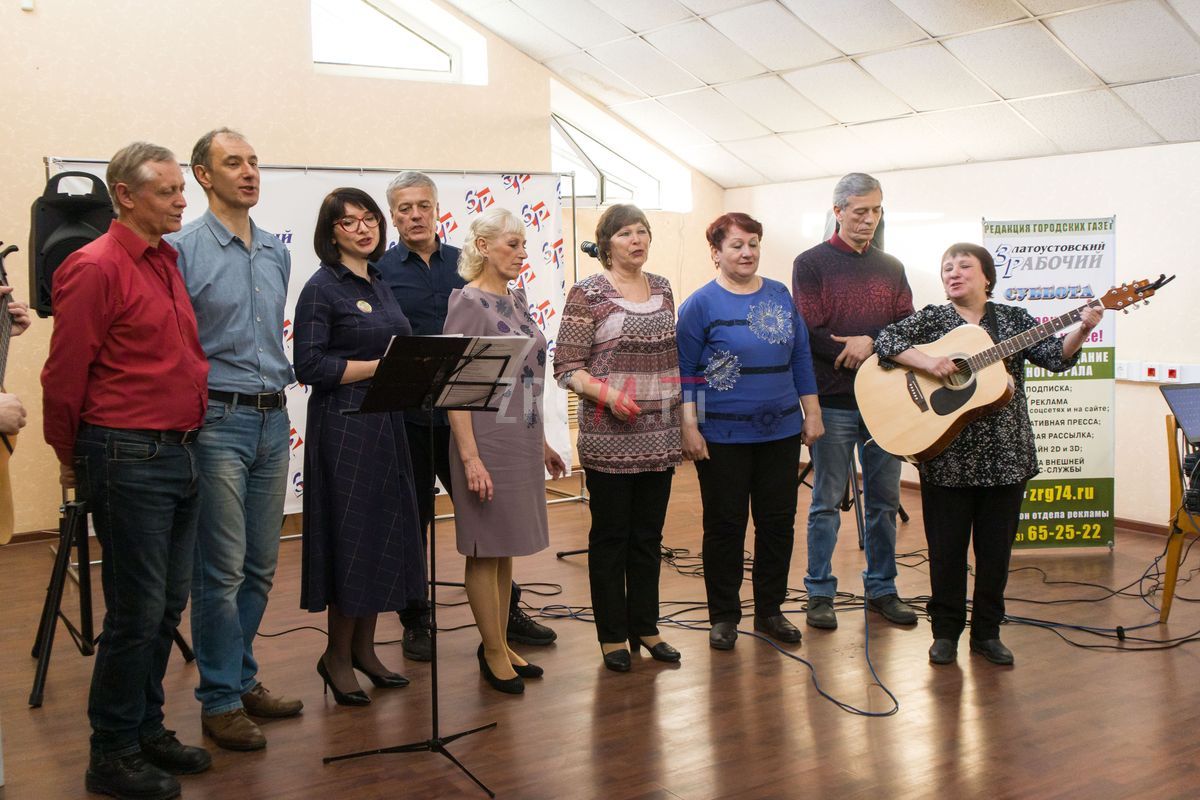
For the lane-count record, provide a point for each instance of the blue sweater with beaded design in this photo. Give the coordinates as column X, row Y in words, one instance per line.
column 744, row 360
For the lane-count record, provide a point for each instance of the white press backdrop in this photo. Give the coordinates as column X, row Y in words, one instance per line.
column 288, row 208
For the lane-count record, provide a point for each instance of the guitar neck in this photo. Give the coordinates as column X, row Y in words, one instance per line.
column 1029, row 338
column 5, row 335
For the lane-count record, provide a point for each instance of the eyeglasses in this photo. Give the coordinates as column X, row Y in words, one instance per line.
column 350, row 224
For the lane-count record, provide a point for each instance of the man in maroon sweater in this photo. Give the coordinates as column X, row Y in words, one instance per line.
column 847, row 291
column 125, row 387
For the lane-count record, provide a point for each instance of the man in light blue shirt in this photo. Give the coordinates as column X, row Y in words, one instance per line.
column 237, row 276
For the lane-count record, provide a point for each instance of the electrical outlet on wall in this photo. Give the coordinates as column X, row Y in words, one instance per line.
column 1170, row 373
column 1152, row 371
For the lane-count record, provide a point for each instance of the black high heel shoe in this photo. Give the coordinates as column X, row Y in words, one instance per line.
column 660, row 652
column 618, row 660
column 356, row 698
column 386, row 680
column 507, row 685
column 522, row 670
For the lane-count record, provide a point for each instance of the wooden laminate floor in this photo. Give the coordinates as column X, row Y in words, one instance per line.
column 1064, row 723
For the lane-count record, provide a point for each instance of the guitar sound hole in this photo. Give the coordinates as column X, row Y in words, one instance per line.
column 962, row 377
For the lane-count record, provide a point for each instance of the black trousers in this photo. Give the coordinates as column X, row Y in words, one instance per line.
column 628, row 511
column 420, row 439
column 955, row 516
column 736, row 481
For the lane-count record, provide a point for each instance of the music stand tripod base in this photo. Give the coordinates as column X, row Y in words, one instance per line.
column 412, row 374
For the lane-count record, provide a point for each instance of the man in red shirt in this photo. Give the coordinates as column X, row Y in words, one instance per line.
column 125, row 388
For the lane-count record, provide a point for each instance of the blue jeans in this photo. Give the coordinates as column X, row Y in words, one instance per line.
column 243, row 456
column 143, row 499
column 832, row 461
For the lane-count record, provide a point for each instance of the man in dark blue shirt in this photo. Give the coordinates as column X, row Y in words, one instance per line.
column 423, row 271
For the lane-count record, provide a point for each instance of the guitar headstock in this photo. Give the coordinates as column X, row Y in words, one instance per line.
column 1128, row 295
column 12, row 248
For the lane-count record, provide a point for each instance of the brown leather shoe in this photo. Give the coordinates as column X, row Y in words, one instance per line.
column 233, row 730
column 259, row 702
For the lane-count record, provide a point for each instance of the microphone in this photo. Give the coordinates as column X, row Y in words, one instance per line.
column 590, row 248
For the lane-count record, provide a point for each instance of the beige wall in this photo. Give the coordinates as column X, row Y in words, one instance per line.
column 1154, row 193
column 82, row 79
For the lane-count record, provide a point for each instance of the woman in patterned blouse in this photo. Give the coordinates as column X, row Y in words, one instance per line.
column 616, row 350
column 747, row 371
column 977, row 483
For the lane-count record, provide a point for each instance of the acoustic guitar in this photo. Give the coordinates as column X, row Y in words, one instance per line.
column 7, row 442
column 915, row 415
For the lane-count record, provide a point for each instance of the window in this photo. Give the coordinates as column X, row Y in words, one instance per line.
column 404, row 39
column 611, row 162
column 601, row 175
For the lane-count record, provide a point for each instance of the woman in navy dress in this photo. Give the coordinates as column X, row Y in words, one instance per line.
column 362, row 545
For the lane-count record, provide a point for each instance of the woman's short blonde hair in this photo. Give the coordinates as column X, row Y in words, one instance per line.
column 491, row 224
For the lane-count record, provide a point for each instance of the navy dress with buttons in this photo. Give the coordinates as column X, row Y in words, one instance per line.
column 362, row 544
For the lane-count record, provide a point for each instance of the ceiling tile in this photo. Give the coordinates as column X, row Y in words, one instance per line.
column 1171, row 107
column 714, row 114
column 990, row 133
column 593, row 78
column 1137, row 40
column 1189, row 10
column 775, row 104
column 471, row 6
column 845, row 91
column 775, row 159
column 705, row 7
column 838, row 150
column 773, row 35
column 701, row 50
column 908, row 143
column 719, row 164
column 575, row 20
column 644, row 15
column 857, row 26
column 1019, row 61
column 944, row 17
column 522, row 31
column 926, row 77
column 1087, row 121
column 644, row 67
column 662, row 125
column 1051, row 6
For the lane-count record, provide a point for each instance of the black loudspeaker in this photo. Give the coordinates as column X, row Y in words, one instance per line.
column 61, row 224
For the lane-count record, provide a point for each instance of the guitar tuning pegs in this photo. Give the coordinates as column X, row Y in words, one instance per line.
column 1146, row 301
column 1124, row 310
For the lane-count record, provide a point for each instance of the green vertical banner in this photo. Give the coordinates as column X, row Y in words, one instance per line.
column 1050, row 267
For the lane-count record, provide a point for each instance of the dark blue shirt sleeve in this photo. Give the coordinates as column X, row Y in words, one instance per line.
column 314, row 328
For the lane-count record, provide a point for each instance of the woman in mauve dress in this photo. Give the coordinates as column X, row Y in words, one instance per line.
column 498, row 460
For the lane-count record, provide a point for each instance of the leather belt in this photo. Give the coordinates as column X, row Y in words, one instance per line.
column 169, row 437
column 262, row 402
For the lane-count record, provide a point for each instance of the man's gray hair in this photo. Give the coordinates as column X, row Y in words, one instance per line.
column 856, row 184
column 202, row 152
column 128, row 165
column 408, row 180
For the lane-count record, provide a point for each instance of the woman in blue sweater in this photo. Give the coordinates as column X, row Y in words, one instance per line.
column 750, row 401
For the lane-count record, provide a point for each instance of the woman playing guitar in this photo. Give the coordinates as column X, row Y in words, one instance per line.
column 977, row 483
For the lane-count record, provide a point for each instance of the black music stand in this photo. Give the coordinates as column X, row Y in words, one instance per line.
column 450, row 373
